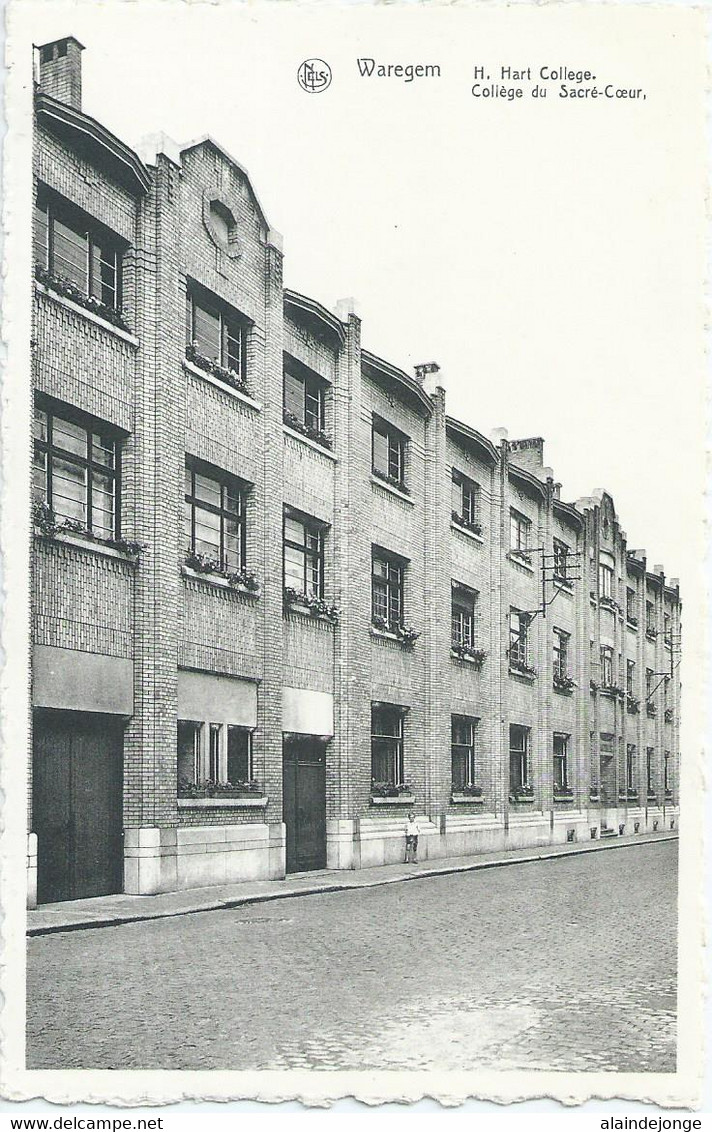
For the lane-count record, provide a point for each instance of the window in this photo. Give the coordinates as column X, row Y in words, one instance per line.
column 216, row 334
column 518, row 757
column 605, row 580
column 630, row 768
column 463, row 730
column 386, row 590
column 667, row 629
column 189, row 752
column 76, row 470
column 226, row 759
column 561, row 561
column 650, row 769
column 303, row 397
column 606, row 667
column 463, row 616
column 667, row 782
column 630, row 677
column 519, row 533
column 71, row 246
column 387, row 744
column 630, row 606
column 519, row 638
column 388, row 452
column 650, row 626
column 214, row 516
column 303, row 555
column 648, row 683
column 561, row 654
column 561, row 755
column 465, row 501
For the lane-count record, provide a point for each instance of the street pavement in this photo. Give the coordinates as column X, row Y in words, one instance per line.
column 563, row 964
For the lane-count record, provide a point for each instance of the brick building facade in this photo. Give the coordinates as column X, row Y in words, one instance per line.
column 280, row 597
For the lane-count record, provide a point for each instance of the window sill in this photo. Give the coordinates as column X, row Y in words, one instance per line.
column 307, row 614
column 518, row 560
column 376, row 482
column 563, row 799
column 221, row 385
column 529, row 677
column 468, row 534
column 63, row 301
column 459, row 799
column 564, row 587
column 398, row 800
column 247, row 803
column 90, row 545
column 521, row 799
column 474, row 661
column 316, row 447
column 561, row 691
column 384, row 635
column 218, row 582
column 629, row 625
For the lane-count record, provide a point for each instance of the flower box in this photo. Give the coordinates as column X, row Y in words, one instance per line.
column 607, row 602
column 461, row 521
column 397, row 793
column 229, row 376
column 632, row 705
column 668, row 715
column 311, row 605
column 612, row 690
column 563, row 684
column 651, row 632
column 563, row 793
column 521, row 668
column 475, row 657
column 521, row 556
column 401, row 633
column 210, row 567
column 651, row 710
column 522, row 794
column 314, row 434
column 69, row 290
column 210, row 789
column 46, row 526
column 628, row 795
column 393, row 481
column 632, row 620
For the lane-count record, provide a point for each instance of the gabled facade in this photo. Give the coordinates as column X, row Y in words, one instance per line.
column 280, row 597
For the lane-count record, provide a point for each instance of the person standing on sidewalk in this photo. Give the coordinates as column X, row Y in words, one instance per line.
column 412, row 830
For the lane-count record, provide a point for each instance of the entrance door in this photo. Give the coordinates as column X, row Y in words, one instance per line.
column 304, row 786
column 608, row 780
column 77, row 805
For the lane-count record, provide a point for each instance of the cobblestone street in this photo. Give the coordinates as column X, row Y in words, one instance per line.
column 563, row 965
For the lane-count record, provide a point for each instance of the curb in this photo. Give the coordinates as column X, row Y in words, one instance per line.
column 335, row 886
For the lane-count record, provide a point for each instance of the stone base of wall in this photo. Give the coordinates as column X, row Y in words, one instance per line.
column 32, row 870
column 166, row 860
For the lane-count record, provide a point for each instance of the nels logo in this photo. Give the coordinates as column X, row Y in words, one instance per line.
column 314, row 75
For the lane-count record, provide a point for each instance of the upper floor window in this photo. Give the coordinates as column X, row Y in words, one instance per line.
column 386, row 590
column 667, row 628
column 387, row 744
column 465, row 502
column 648, row 683
column 630, row 677
column 605, row 579
column 304, row 398
column 630, row 606
column 561, row 761
column 303, row 554
column 519, row 638
column 388, row 452
column 76, row 471
column 463, row 616
column 215, row 334
column 519, row 533
column 606, row 667
column 650, row 626
column 561, row 654
column 72, row 247
column 463, row 729
column 561, row 561
column 214, row 516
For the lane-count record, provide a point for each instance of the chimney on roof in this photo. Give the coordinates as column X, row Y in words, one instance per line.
column 529, row 454
column 60, row 69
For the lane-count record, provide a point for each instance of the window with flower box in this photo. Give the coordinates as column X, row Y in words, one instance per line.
column 630, row 758
column 216, row 336
column 519, row 534
column 606, row 667
column 213, row 757
column 631, row 606
column 605, row 579
column 650, row 769
column 630, row 678
column 76, row 470
column 561, row 658
column 388, row 452
column 465, row 502
column 463, row 730
column 387, row 744
column 519, row 755
column 561, row 561
column 464, row 601
column 304, row 401
column 69, row 245
column 214, row 518
column 386, row 589
column 561, row 763
column 667, row 629
column 303, row 554
column 519, row 623
column 650, row 626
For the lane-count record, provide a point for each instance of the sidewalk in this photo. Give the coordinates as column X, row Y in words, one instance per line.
column 107, row 911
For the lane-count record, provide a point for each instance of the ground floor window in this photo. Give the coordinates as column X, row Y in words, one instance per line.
column 213, row 753
column 630, row 767
column 650, row 769
column 463, row 731
column 561, row 761
column 387, row 744
column 519, row 753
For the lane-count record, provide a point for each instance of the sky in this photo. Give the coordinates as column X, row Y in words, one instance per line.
column 547, row 255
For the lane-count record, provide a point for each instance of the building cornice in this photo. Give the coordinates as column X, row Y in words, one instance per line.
column 568, row 513
column 302, row 304
column 472, row 438
column 390, row 375
column 89, row 137
column 527, row 480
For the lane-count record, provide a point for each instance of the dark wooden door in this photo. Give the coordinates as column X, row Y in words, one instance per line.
column 77, row 805
column 304, row 787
